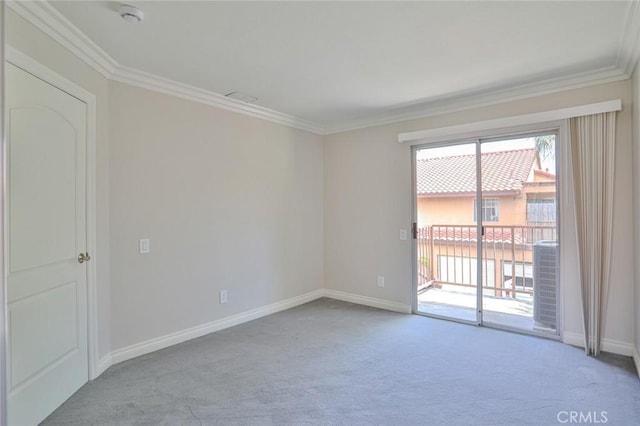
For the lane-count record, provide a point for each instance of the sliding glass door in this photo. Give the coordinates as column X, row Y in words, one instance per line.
column 489, row 256
column 446, row 187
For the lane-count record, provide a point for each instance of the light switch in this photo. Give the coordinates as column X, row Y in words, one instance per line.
column 144, row 246
column 403, row 234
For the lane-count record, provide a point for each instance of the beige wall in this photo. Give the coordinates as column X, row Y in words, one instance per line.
column 23, row 36
column 368, row 167
column 228, row 202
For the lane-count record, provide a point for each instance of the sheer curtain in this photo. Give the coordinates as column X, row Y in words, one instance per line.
column 593, row 162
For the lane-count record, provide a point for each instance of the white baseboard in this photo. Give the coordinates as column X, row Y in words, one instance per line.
column 367, row 301
column 151, row 345
column 608, row 345
column 162, row 342
column 617, row 347
column 103, row 364
column 171, row 339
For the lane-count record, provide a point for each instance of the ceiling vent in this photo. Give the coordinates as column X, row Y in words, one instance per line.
column 242, row 97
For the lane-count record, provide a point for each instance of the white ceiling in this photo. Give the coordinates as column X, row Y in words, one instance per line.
column 340, row 63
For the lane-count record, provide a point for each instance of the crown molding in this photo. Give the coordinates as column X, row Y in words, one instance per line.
column 156, row 83
column 46, row 18
column 629, row 50
column 492, row 96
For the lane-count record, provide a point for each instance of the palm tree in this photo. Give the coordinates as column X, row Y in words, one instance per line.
column 545, row 146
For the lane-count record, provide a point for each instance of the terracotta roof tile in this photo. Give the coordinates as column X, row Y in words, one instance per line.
column 499, row 235
column 503, row 171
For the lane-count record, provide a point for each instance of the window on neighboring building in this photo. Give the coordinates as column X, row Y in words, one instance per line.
column 490, row 209
column 541, row 210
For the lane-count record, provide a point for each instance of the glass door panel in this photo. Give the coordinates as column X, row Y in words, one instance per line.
column 446, row 233
column 519, row 241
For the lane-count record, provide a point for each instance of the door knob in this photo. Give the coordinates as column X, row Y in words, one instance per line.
column 83, row 257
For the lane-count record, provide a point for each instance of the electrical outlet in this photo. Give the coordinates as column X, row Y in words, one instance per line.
column 380, row 281
column 223, row 296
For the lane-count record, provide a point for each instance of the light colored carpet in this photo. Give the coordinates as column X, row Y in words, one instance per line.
column 335, row 363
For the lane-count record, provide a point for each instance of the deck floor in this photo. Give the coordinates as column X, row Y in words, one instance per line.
column 460, row 303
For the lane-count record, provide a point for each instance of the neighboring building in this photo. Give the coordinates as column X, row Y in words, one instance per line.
column 515, row 190
column 518, row 209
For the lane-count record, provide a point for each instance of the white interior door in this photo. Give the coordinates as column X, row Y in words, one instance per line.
column 46, row 224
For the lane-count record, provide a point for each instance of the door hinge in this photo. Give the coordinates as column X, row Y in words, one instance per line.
column 414, row 230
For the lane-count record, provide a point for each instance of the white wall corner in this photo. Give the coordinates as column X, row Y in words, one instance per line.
column 629, row 50
column 47, row 19
column 171, row 339
column 368, row 301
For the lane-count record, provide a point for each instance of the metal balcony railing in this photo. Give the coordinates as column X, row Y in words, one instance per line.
column 447, row 254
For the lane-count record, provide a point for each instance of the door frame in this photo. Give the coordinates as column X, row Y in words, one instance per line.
column 3, row 303
column 35, row 68
column 414, row 220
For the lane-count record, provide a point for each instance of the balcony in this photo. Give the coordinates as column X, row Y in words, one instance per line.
column 448, row 269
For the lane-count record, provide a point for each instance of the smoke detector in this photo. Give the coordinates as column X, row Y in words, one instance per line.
column 131, row 13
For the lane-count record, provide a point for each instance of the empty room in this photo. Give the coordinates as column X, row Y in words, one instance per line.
column 320, row 212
